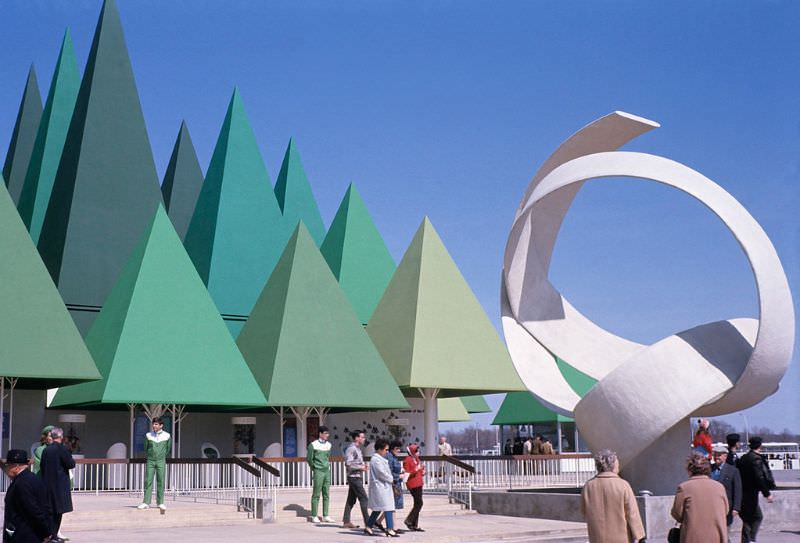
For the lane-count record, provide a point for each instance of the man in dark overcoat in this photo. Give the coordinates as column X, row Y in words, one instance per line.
column 55, row 466
column 756, row 478
column 27, row 515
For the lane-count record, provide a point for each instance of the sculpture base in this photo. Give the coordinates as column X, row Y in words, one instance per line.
column 661, row 467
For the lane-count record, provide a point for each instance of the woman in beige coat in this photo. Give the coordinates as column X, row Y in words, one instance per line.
column 701, row 505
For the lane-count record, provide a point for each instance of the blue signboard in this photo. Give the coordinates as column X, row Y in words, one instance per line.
column 290, row 442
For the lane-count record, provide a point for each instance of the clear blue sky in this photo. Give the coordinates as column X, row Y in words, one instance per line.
column 446, row 109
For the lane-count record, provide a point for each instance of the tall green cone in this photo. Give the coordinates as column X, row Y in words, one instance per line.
column 237, row 232
column 295, row 196
column 50, row 139
column 38, row 340
column 182, row 182
column 432, row 331
column 357, row 255
column 159, row 337
column 304, row 343
column 476, row 404
column 452, row 410
column 106, row 188
column 23, row 137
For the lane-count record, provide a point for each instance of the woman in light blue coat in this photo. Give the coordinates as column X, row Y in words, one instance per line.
column 381, row 496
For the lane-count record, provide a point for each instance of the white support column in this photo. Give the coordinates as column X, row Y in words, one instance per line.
column 2, row 405
column 179, row 415
column 558, row 425
column 12, row 383
column 132, row 411
column 322, row 412
column 301, row 414
column 281, row 420
column 429, row 395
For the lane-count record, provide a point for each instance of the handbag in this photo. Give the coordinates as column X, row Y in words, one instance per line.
column 674, row 535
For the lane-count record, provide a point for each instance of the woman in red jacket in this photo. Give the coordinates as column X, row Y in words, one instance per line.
column 702, row 439
column 416, row 471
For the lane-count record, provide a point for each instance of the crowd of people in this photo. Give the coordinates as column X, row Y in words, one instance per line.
column 720, row 487
column 388, row 470
column 537, row 444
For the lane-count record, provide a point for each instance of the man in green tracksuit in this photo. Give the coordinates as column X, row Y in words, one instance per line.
column 157, row 446
column 318, row 458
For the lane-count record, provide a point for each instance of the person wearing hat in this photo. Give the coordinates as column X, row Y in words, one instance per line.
column 56, row 463
column 416, row 473
column 733, row 443
column 44, row 441
column 756, row 477
column 728, row 476
column 27, row 515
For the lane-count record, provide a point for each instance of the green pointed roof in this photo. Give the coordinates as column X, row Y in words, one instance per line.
column 23, row 137
column 295, row 197
column 182, row 182
column 475, row 404
column 357, row 255
column 50, row 139
column 432, row 331
column 237, row 232
column 304, row 343
column 159, row 337
column 39, row 343
column 452, row 410
column 106, row 188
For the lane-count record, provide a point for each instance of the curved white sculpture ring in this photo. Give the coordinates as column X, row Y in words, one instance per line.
column 644, row 392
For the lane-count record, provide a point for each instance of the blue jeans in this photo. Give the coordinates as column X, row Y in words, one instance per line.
column 389, row 519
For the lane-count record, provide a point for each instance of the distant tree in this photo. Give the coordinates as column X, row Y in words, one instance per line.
column 464, row 441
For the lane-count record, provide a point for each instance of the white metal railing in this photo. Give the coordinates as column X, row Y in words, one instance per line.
column 531, row 471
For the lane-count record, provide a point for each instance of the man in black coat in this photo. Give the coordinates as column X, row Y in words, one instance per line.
column 55, row 466
column 27, row 515
column 728, row 476
column 756, row 477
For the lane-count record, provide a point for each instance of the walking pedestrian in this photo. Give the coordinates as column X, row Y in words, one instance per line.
column 26, row 518
column 318, row 458
column 55, row 466
column 701, row 505
column 756, row 478
column 728, row 476
column 157, row 446
column 733, row 444
column 381, row 497
column 44, row 441
column 416, row 475
column 355, row 466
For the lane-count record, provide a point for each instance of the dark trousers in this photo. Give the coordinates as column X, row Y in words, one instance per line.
column 355, row 492
column 750, row 530
column 56, row 523
column 413, row 516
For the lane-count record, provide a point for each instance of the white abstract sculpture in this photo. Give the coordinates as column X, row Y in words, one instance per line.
column 645, row 393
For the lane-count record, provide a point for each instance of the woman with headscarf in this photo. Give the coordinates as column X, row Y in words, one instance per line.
column 416, row 473
column 702, row 443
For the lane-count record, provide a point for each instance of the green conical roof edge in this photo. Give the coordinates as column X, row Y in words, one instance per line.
column 182, row 182
column 23, row 137
column 295, row 197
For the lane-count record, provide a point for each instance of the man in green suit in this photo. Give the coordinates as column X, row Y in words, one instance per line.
column 157, row 446
column 318, row 458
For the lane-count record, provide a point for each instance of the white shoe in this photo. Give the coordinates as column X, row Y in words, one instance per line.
column 62, row 536
column 327, row 519
column 315, row 520
column 143, row 506
column 162, row 506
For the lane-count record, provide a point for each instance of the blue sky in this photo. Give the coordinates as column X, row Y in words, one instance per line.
column 446, row 109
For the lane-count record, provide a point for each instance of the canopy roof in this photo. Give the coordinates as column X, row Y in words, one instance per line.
column 357, row 255
column 39, row 343
column 159, row 338
column 476, row 404
column 304, row 343
column 182, row 182
column 432, row 331
column 106, row 187
column 295, row 197
column 452, row 410
column 23, row 137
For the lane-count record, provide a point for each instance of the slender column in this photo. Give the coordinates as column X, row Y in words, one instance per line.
column 2, row 405
column 12, row 383
column 558, row 425
column 431, row 414
column 132, row 411
column 322, row 412
column 301, row 414
column 281, row 420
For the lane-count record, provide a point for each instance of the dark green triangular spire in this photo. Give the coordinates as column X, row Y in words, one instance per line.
column 106, row 188
column 39, row 343
column 295, row 196
column 305, row 345
column 237, row 232
column 23, row 137
column 50, row 139
column 357, row 255
column 159, row 337
column 182, row 182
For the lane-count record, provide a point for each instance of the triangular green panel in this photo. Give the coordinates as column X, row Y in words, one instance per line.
column 357, row 255
column 452, row 410
column 304, row 343
column 159, row 337
column 433, row 332
column 106, row 188
column 524, row 408
column 237, row 232
column 295, row 197
column 579, row 381
column 39, row 343
column 476, row 404
column 182, row 182
column 50, row 139
column 23, row 137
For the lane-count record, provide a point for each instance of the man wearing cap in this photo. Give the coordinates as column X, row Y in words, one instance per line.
column 756, row 477
column 26, row 515
column 733, row 443
column 728, row 475
column 44, row 441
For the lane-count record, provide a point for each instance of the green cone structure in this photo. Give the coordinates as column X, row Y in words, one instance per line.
column 357, row 255
column 237, row 232
column 39, row 343
column 23, row 137
column 159, row 338
column 50, row 139
column 106, row 188
column 304, row 343
column 182, row 182
column 295, row 197
column 475, row 404
column 432, row 331
column 452, row 410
